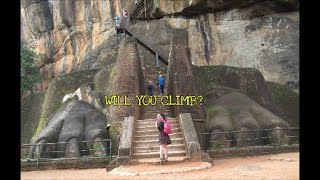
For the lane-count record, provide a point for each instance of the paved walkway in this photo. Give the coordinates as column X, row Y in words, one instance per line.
column 272, row 166
column 153, row 169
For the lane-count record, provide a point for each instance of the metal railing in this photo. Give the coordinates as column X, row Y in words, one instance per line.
column 265, row 137
column 49, row 151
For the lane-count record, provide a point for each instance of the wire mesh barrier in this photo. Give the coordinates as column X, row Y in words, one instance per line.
column 246, row 142
column 66, row 150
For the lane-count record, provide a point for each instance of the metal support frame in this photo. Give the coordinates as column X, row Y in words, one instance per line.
column 37, row 158
column 145, row 9
column 157, row 60
column 276, row 147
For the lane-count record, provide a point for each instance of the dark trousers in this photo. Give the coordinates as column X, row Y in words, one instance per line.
column 150, row 92
column 161, row 88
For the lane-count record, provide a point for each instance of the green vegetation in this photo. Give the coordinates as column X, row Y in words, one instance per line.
column 286, row 103
column 220, row 144
column 213, row 108
column 58, row 88
column 29, row 70
column 114, row 131
column 211, row 77
column 103, row 80
column 31, row 110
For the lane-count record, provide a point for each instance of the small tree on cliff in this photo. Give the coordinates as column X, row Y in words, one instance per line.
column 29, row 70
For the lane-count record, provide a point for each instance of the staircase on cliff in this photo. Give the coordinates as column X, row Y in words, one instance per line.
column 146, row 136
column 142, row 4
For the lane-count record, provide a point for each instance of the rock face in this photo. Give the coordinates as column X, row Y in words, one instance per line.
column 67, row 31
column 269, row 44
column 30, row 115
column 237, row 112
column 74, row 35
column 262, row 35
column 75, row 121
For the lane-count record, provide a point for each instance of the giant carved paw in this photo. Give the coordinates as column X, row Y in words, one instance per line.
column 237, row 112
column 75, row 121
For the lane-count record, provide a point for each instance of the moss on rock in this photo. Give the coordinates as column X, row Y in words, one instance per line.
column 103, row 80
column 247, row 80
column 58, row 88
column 31, row 108
column 114, row 132
column 286, row 103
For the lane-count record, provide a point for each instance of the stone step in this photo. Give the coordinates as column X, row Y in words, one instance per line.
column 150, row 126
column 151, row 116
column 148, row 149
column 155, row 142
column 155, row 119
column 156, row 159
column 156, row 136
column 157, row 110
column 152, row 123
column 154, row 131
column 155, row 113
column 156, row 154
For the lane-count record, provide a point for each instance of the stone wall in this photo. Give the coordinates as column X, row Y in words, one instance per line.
column 190, row 137
column 127, row 81
column 181, row 77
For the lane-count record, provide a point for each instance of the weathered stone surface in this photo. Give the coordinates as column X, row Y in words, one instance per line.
column 95, row 99
column 59, row 87
column 126, row 81
column 263, row 35
column 268, row 43
column 213, row 81
column 260, row 34
column 125, row 143
column 286, row 103
column 67, row 32
column 242, row 114
column 30, row 114
column 119, row 161
column 86, row 93
column 190, row 137
column 182, row 80
column 74, row 121
column 160, row 8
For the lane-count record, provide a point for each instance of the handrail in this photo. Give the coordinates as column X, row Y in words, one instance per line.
column 138, row 7
column 146, row 46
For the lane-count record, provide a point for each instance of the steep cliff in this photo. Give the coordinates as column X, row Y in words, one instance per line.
column 72, row 34
column 261, row 34
column 251, row 34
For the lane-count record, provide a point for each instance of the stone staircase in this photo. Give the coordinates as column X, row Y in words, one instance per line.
column 146, row 136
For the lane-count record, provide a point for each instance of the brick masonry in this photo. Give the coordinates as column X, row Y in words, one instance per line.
column 127, row 81
column 181, row 79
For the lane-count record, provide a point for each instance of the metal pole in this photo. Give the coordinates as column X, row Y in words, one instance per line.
column 204, row 149
column 157, row 59
column 110, row 150
column 38, row 154
column 145, row 9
